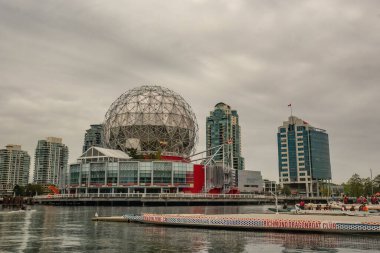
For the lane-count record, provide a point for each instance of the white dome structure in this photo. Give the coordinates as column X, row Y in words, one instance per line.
column 151, row 119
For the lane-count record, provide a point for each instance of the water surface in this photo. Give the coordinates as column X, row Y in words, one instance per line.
column 70, row 229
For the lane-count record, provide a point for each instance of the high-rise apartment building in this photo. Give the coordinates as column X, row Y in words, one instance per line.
column 93, row 137
column 222, row 127
column 304, row 156
column 50, row 164
column 14, row 168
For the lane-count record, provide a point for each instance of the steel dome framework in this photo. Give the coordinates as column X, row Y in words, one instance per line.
column 151, row 119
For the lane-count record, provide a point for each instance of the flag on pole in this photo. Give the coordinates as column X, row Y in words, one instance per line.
column 291, row 109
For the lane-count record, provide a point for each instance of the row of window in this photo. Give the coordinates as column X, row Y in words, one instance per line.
column 125, row 178
column 299, row 128
column 284, row 145
column 132, row 172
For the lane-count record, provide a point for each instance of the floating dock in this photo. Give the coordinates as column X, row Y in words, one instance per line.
column 340, row 205
column 283, row 222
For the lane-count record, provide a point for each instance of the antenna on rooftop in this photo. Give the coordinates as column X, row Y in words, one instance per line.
column 291, row 109
column 291, row 113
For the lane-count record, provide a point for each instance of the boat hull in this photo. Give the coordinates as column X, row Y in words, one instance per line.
column 281, row 222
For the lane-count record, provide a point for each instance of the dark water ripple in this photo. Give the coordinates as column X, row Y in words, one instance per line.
column 70, row 229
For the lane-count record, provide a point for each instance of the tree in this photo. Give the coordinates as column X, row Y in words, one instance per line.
column 324, row 189
column 18, row 190
column 376, row 184
column 354, row 186
column 286, row 190
column 132, row 152
column 367, row 187
column 33, row 189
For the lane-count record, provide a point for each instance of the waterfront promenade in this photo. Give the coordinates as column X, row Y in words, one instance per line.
column 166, row 199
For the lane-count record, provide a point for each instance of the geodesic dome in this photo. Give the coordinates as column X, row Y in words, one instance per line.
column 151, row 119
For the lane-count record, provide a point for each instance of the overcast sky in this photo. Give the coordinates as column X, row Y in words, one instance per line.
column 62, row 64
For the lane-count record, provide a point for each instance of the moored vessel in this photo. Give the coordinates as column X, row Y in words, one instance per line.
column 278, row 222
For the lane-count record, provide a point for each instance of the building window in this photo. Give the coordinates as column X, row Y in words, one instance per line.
column 282, row 130
column 299, row 134
column 302, row 174
column 301, row 159
column 128, row 173
column 302, row 179
column 253, row 185
column 284, row 150
column 300, row 149
column 299, row 139
column 162, row 172
column 284, row 155
column 300, row 128
column 284, row 160
column 283, row 145
column 302, row 164
column 145, row 172
column 301, row 154
column 285, row 174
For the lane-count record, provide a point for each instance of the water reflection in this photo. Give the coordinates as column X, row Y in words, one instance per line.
column 70, row 229
column 25, row 235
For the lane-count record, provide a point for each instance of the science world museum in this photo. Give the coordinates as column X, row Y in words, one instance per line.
column 150, row 134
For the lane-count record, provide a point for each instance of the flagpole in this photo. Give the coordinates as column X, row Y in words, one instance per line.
column 291, row 112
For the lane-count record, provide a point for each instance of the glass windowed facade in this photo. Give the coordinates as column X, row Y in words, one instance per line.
column 307, row 153
column 222, row 127
column 93, row 137
column 128, row 173
column 113, row 174
column 320, row 155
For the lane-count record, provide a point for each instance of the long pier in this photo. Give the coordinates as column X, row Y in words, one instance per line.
column 166, row 199
column 282, row 222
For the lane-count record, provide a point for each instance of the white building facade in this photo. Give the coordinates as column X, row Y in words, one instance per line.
column 14, row 168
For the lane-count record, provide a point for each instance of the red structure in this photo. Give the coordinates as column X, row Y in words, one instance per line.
column 199, row 177
column 53, row 189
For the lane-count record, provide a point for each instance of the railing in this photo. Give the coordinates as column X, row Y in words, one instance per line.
column 171, row 196
column 153, row 196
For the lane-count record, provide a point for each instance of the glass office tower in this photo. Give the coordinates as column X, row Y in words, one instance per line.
column 93, row 137
column 303, row 156
column 222, row 127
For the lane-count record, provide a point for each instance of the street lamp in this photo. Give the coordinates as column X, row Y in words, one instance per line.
column 371, row 180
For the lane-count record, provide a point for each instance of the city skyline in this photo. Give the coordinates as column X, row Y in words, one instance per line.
column 61, row 70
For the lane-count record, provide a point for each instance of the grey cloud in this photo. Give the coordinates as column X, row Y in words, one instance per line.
column 62, row 63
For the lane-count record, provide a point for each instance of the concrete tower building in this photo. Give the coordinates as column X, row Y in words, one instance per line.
column 93, row 137
column 50, row 163
column 303, row 155
column 14, row 168
column 222, row 127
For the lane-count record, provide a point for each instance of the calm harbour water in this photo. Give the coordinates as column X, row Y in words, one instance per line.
column 70, row 229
